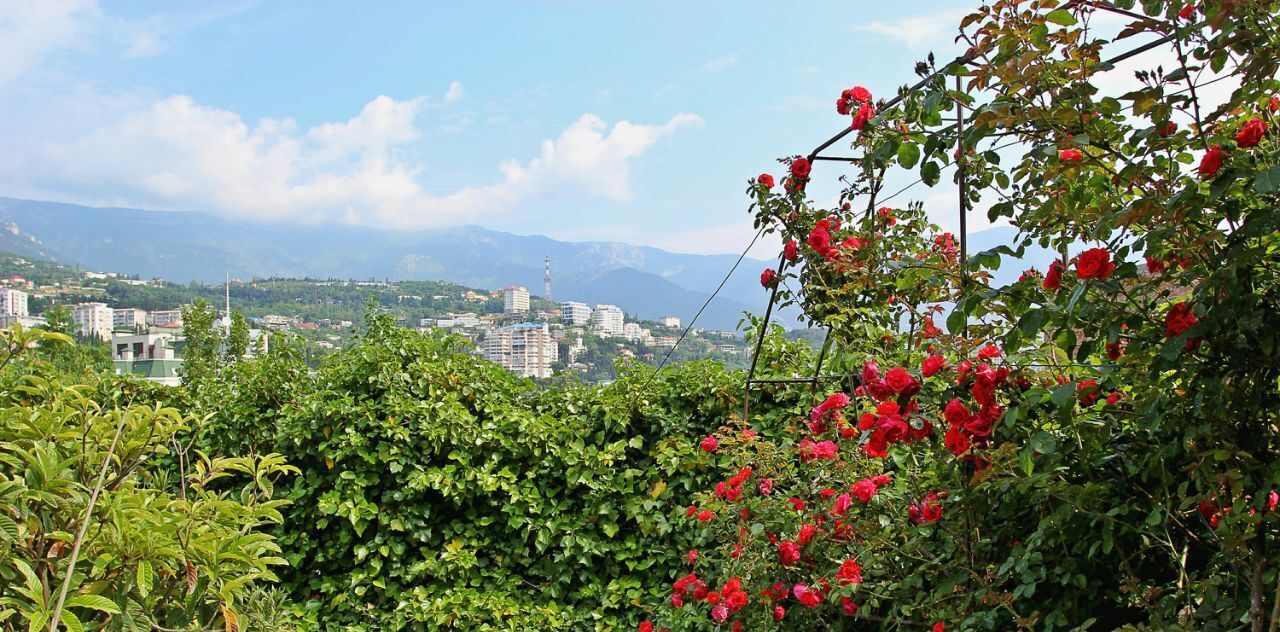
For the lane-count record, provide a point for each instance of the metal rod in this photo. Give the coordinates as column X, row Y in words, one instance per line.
column 964, row 199
column 822, row 356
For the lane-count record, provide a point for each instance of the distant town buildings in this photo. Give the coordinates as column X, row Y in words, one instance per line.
column 13, row 302
column 633, row 332
column 93, row 320
column 525, row 349
column 451, row 320
column 515, row 300
column 607, row 320
column 670, row 321
column 575, row 314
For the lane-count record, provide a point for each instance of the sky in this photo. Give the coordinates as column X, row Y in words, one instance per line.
column 633, row 122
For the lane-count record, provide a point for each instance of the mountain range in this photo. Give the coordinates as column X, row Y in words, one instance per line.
column 193, row 246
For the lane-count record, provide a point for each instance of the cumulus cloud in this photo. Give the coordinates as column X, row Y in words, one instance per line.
column 454, row 92
column 920, row 32
column 178, row 153
column 30, row 31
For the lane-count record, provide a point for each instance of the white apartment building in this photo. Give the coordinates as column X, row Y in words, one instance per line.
column 452, row 320
column 13, row 302
column 606, row 320
column 575, row 314
column 515, row 300
column 633, row 332
column 164, row 318
column 670, row 321
column 525, row 349
column 128, row 318
column 93, row 320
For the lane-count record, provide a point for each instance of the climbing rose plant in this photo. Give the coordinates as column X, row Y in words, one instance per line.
column 1093, row 444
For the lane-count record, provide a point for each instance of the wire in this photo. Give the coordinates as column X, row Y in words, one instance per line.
column 689, row 328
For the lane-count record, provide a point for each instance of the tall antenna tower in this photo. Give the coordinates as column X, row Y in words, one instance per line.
column 546, row 281
column 227, row 323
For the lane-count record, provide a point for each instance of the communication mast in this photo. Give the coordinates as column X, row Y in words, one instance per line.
column 546, row 281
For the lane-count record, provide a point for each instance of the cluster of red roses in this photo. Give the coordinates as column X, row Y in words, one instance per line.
column 822, row 240
column 859, row 98
column 1213, row 514
column 1094, row 263
column 889, row 424
column 967, row 429
column 928, row 509
column 1249, row 135
column 724, row 602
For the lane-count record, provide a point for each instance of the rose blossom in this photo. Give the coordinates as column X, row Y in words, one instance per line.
column 1251, row 134
column 1094, row 263
column 766, row 180
column 1211, row 162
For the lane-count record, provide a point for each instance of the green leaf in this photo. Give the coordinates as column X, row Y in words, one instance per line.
column 1061, row 17
column 1267, row 181
column 930, row 173
column 94, row 602
column 8, row 528
column 144, row 578
column 908, row 155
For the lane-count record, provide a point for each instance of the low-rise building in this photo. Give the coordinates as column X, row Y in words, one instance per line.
column 164, row 318
column 128, row 318
column 633, row 332
column 670, row 321
column 151, row 356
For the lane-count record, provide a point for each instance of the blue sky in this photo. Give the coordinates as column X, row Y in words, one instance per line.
column 628, row 122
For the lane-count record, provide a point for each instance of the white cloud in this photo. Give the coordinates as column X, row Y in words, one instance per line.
column 920, row 32
column 454, row 92
column 30, row 31
column 721, row 63
column 177, row 153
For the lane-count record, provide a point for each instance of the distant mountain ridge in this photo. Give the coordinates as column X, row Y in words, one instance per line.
column 185, row 246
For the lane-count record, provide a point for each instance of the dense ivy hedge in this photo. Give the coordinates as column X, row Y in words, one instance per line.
column 437, row 490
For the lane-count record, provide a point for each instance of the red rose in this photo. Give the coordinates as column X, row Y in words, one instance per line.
column 988, row 352
column 807, row 531
column 1053, row 278
column 805, row 596
column 932, row 365
column 1168, row 128
column 939, row 627
column 645, row 626
column 1178, row 320
column 860, row 94
column 768, row 277
column 956, row 440
column 847, row 606
column 864, row 490
column 790, row 250
column 705, row 516
column 788, row 552
column 1188, row 11
column 1211, row 162
column 800, row 168
column 898, row 379
column 865, row 113
column 779, row 612
column 1071, row 155
column 1275, row 104
column 820, row 240
column 709, row 444
column 850, row 573
column 1251, row 134
column 1113, row 398
column 1154, row 266
column 693, row 556
column 766, row 180
column 796, row 504
column 1087, row 392
column 1115, row 350
column 841, row 506
column 1094, row 263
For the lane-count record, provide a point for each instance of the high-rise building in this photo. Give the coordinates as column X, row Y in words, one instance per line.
column 633, row 332
column 515, row 300
column 575, row 314
column 128, row 318
column 525, row 349
column 93, row 320
column 13, row 302
column 607, row 320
